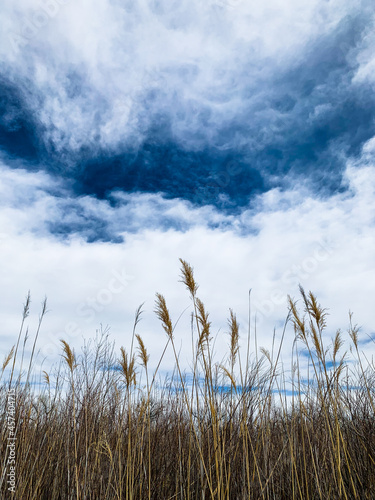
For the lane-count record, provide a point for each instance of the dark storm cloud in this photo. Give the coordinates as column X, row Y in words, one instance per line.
column 18, row 129
column 257, row 124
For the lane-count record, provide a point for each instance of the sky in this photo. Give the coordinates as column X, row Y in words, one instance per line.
column 234, row 134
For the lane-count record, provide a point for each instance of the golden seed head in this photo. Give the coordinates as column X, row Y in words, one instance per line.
column 68, row 355
column 8, row 358
column 162, row 313
column 142, row 351
column 187, row 277
column 127, row 367
column 234, row 336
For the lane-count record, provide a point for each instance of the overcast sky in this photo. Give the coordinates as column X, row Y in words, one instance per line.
column 235, row 134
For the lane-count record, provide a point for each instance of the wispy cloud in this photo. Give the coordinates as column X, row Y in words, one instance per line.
column 144, row 97
column 69, row 248
column 236, row 135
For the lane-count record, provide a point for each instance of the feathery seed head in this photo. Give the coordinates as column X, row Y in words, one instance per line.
column 188, row 277
column 234, row 336
column 204, row 337
column 162, row 313
column 68, row 355
column 8, row 358
column 337, row 344
column 26, row 307
column 202, row 314
column 299, row 324
column 46, row 377
column 266, row 353
column 128, row 367
column 142, row 351
column 314, row 309
column 353, row 331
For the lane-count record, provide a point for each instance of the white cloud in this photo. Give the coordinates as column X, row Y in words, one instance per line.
column 324, row 244
column 90, row 69
column 92, row 73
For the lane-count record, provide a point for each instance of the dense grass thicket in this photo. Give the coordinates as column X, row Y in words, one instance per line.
column 103, row 427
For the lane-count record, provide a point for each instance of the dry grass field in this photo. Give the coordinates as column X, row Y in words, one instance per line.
column 103, row 427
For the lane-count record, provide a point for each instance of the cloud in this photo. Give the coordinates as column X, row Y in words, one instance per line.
column 146, row 97
column 237, row 136
column 284, row 238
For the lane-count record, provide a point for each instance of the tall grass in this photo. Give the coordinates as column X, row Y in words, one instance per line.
column 104, row 427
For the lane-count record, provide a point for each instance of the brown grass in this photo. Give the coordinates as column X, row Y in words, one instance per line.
column 103, row 427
